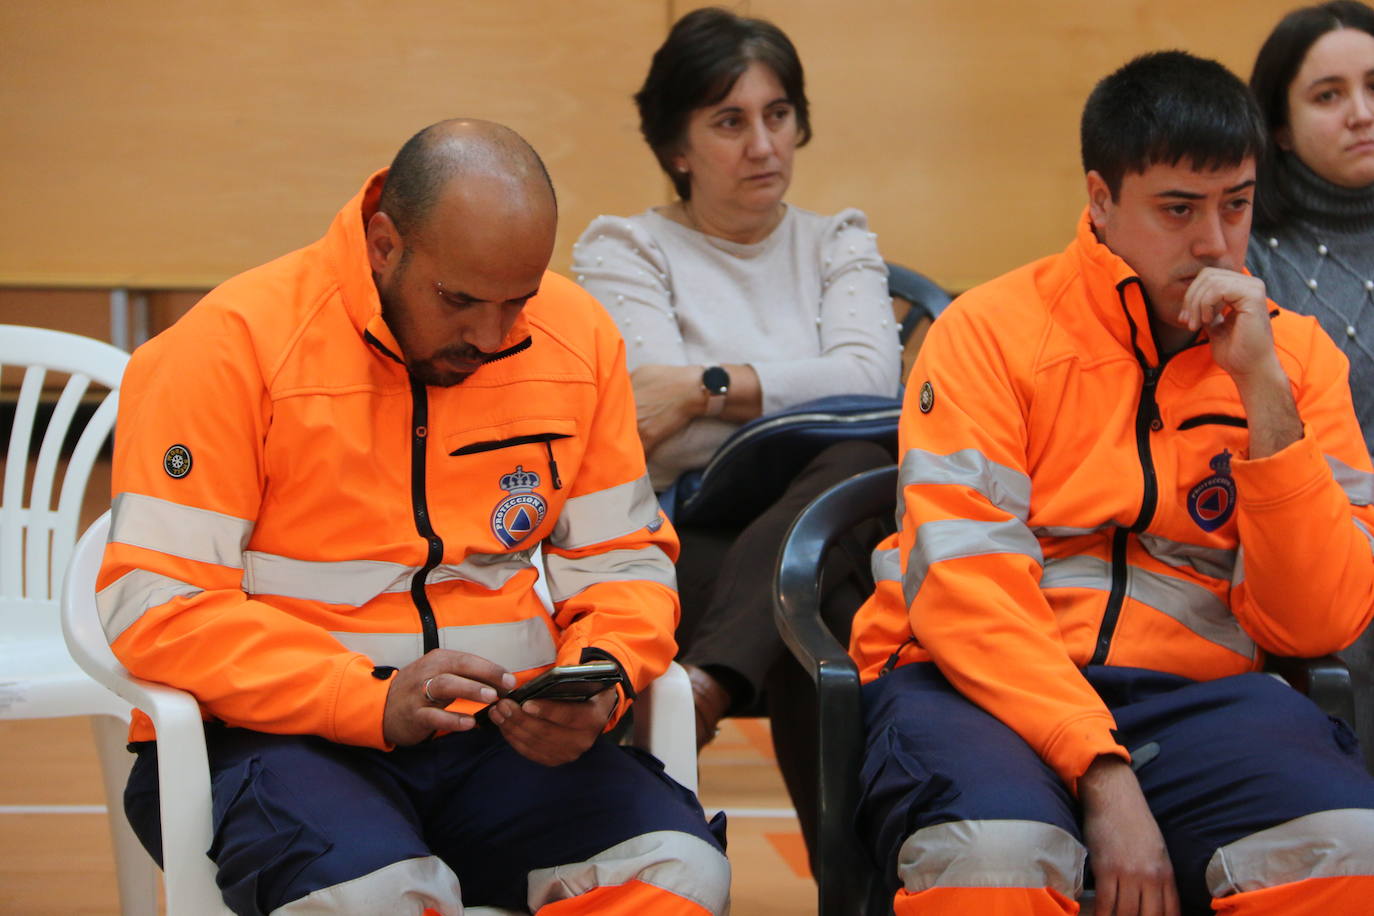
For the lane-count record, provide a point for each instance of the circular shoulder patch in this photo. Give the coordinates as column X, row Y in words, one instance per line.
column 177, row 461
column 927, row 397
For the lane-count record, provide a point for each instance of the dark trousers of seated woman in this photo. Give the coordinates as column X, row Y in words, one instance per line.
column 725, row 579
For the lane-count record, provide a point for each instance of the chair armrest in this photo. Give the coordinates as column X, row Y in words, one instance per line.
column 183, row 775
column 1325, row 680
column 665, row 724
column 840, row 869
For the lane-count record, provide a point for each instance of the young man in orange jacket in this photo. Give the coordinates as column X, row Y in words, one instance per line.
column 1126, row 477
column 329, row 479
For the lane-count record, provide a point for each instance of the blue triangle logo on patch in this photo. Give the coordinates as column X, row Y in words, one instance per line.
column 521, row 522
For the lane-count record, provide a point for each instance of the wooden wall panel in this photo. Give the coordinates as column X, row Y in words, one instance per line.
column 155, row 143
column 173, row 143
column 955, row 124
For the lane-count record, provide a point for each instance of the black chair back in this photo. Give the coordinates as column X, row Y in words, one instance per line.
column 842, row 870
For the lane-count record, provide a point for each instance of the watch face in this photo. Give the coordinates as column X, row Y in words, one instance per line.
column 715, row 380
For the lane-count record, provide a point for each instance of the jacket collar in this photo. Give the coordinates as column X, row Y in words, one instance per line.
column 345, row 246
column 1114, row 291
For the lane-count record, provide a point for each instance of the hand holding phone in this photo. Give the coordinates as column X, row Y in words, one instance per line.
column 563, row 682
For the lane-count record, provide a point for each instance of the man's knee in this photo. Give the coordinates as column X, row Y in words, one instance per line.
column 1326, row 844
column 679, row 863
column 992, row 853
column 411, row 886
column 282, row 839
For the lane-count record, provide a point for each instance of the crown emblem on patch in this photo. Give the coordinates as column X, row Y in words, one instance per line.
column 1212, row 502
column 519, row 480
column 515, row 517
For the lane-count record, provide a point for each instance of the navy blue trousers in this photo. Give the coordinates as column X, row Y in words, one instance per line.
column 1231, row 757
column 293, row 814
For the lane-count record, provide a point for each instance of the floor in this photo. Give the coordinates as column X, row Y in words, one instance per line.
column 55, row 851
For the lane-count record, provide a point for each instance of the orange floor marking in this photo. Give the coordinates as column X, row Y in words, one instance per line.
column 793, row 851
column 755, row 730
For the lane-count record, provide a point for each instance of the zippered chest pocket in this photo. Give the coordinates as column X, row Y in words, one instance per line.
column 515, row 470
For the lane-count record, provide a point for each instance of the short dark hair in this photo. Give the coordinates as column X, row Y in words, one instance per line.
column 425, row 164
column 1164, row 107
column 1276, row 66
column 697, row 65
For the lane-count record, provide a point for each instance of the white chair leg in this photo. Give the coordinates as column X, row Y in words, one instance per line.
column 135, row 870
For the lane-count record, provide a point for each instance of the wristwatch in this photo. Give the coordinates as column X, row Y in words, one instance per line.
column 715, row 381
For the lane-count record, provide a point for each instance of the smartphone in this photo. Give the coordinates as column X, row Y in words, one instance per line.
column 563, row 682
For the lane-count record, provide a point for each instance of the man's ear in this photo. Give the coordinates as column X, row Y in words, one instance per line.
column 384, row 244
column 1099, row 199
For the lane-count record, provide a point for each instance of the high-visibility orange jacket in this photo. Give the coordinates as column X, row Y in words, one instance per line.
column 1069, row 499
column 292, row 512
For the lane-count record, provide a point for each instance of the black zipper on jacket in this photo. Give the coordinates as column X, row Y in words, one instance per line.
column 419, row 436
column 520, row 347
column 1214, row 419
column 1147, row 419
column 419, row 502
column 513, row 349
column 492, row 445
column 368, row 336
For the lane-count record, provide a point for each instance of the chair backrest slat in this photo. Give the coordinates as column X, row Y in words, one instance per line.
column 40, row 579
column 69, row 501
column 14, row 525
column 36, row 537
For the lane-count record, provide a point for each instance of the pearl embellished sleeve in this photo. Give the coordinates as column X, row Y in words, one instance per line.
column 859, row 351
column 807, row 308
column 621, row 264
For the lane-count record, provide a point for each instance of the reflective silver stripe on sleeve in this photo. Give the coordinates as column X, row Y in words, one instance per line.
column 1210, row 561
column 1358, row 485
column 1006, row 488
column 606, row 515
column 1064, row 531
column 407, row 886
column 1077, row 572
column 1327, row 844
column 1190, row 604
column 1365, row 531
column 179, row 531
column 992, row 853
column 516, row 645
column 887, row 565
column 570, row 575
column 350, row 582
column 679, row 863
column 955, row 538
column 356, row 582
column 125, row 599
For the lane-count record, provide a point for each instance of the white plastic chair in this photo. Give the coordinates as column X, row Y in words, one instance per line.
column 38, row 678
column 665, row 717
column 664, row 724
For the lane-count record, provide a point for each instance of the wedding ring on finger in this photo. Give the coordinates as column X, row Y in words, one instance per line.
column 433, row 700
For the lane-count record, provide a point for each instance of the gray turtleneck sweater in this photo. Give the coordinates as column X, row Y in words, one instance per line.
column 1321, row 263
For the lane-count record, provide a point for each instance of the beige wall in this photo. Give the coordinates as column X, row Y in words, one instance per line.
column 170, row 144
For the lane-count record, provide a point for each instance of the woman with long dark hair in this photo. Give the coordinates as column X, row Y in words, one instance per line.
column 1313, row 236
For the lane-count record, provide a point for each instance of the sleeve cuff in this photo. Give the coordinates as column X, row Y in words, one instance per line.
column 1282, row 476
column 360, row 705
column 1081, row 742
